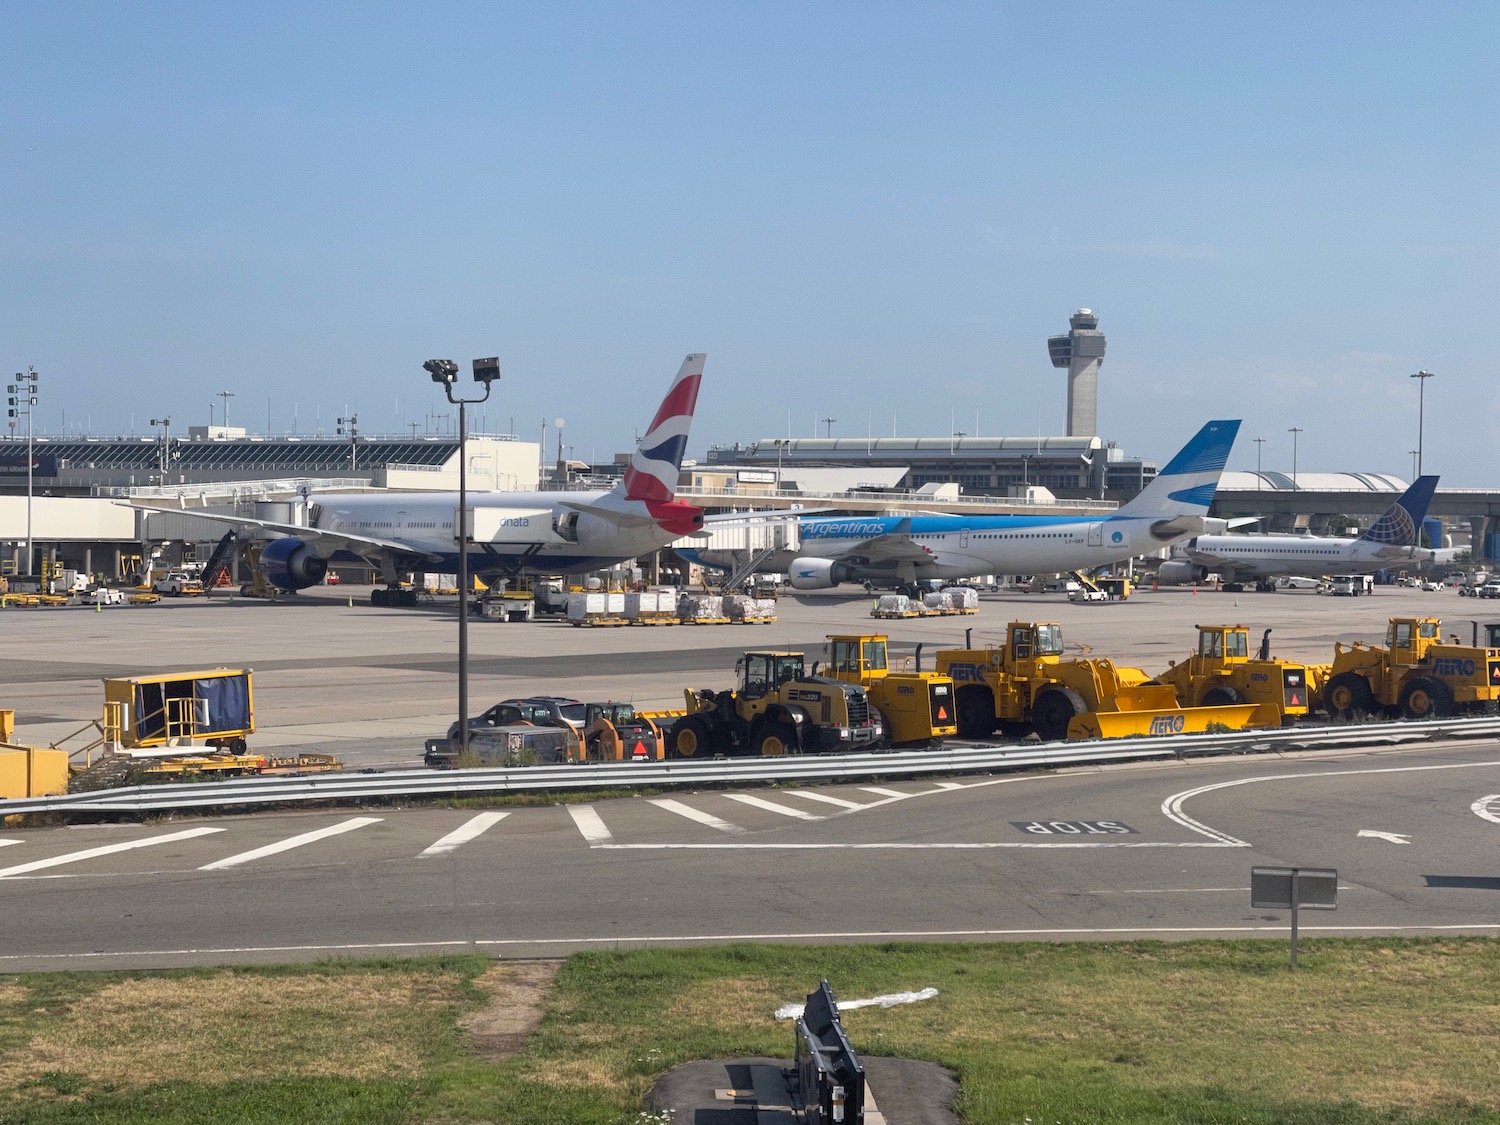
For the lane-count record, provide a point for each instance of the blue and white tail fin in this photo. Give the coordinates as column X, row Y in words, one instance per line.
column 1186, row 486
column 1401, row 524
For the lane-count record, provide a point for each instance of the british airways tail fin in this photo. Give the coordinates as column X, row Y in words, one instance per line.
column 1401, row 524
column 651, row 476
column 1186, row 486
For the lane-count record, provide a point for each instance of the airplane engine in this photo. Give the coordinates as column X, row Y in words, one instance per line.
column 290, row 564
column 818, row 574
column 1177, row 570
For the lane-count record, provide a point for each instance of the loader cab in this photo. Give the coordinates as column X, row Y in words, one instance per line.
column 1491, row 635
column 1219, row 645
column 763, row 673
column 1029, row 643
column 1408, row 638
column 857, row 660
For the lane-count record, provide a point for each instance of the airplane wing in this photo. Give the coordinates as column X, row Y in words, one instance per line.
column 894, row 546
column 325, row 541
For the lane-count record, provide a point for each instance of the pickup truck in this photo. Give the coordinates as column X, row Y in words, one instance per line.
column 176, row 583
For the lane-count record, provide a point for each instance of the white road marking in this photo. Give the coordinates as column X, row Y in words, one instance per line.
column 886, row 792
column 1172, row 807
column 106, row 849
column 291, row 842
column 950, row 784
column 590, row 825
column 1485, row 807
column 464, row 833
column 697, row 815
column 1391, row 837
column 808, row 794
column 8, row 843
column 771, row 806
column 938, row 847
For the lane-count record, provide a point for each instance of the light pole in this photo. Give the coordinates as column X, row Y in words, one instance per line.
column 1259, row 442
column 23, row 397
column 163, row 455
column 445, row 371
column 1294, row 431
column 780, row 444
column 1421, row 377
column 353, row 423
column 226, row 396
column 1415, row 453
column 829, row 423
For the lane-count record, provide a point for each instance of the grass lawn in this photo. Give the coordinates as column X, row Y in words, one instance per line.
column 1371, row 1030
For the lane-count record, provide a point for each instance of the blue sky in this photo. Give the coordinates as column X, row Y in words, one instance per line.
column 860, row 211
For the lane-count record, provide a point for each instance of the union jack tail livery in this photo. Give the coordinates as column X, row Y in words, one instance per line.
column 652, row 474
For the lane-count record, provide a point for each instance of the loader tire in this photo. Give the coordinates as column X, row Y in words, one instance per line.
column 692, row 738
column 776, row 740
column 1426, row 698
column 1348, row 696
column 1054, row 710
column 976, row 712
column 1221, row 696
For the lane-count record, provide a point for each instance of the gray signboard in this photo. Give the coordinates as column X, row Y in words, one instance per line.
column 1285, row 888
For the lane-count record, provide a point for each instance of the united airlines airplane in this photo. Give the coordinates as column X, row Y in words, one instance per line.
column 512, row 532
column 903, row 550
column 1393, row 540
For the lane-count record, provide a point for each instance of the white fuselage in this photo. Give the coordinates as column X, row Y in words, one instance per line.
column 1267, row 556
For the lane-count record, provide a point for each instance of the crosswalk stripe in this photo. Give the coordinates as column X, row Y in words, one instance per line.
column 950, row 784
column 590, row 825
column 884, row 792
column 808, row 794
column 771, row 806
column 464, row 833
column 8, row 843
column 695, row 814
column 107, row 849
column 292, row 842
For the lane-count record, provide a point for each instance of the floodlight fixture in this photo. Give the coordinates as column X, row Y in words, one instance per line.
column 443, row 371
column 486, row 371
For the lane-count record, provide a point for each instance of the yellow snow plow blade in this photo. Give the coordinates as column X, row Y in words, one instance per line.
column 1147, row 724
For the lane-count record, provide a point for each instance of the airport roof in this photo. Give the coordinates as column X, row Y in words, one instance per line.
column 311, row 454
column 1269, row 481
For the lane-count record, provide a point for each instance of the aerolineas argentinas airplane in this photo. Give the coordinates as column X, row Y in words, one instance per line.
column 513, row 532
column 1393, row 540
column 906, row 549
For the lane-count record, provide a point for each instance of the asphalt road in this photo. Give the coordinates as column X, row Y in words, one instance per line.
column 1146, row 851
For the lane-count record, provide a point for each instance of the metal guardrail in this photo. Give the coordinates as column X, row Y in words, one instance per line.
column 949, row 758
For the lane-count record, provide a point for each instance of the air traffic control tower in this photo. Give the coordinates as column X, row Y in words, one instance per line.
column 1081, row 351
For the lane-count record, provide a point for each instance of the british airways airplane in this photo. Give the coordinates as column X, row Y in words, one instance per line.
column 511, row 532
column 903, row 550
column 1393, row 540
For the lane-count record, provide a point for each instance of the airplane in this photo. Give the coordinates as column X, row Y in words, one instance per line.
column 1392, row 540
column 564, row 532
column 905, row 550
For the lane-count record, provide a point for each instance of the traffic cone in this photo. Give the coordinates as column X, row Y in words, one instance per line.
column 351, row 601
column 1195, row 589
column 98, row 607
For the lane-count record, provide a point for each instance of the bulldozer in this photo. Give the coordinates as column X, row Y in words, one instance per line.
column 1025, row 686
column 1415, row 676
column 615, row 732
column 916, row 707
column 777, row 709
column 1221, row 672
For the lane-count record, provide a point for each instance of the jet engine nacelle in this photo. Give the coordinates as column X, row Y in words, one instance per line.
column 1177, row 570
column 290, row 564
column 818, row 574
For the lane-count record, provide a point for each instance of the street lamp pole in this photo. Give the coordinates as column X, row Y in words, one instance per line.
column 1421, row 377
column 23, row 397
column 1415, row 454
column 780, row 444
column 226, row 396
column 1294, row 431
column 445, row 371
column 1259, row 442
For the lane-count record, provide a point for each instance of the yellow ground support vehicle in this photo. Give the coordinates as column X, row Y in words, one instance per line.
column 212, row 707
column 916, row 707
column 777, row 709
column 1415, row 676
column 1025, row 685
column 616, row 732
column 1221, row 672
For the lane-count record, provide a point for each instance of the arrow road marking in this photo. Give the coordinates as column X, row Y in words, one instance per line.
column 1486, row 807
column 1392, row 837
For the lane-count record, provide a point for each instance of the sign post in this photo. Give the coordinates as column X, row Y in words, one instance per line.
column 1293, row 888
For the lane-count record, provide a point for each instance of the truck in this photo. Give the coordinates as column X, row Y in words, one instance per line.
column 915, row 707
column 1221, row 672
column 1025, row 686
column 777, row 709
column 1414, row 676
